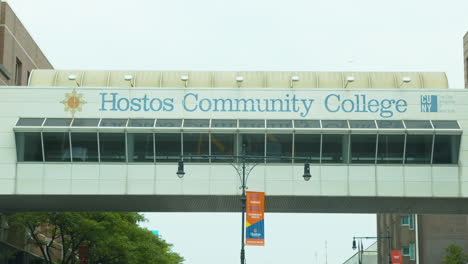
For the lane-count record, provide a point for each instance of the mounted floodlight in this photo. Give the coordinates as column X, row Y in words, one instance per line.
column 307, row 174
column 294, row 78
column 239, row 78
column 180, row 169
column 348, row 80
column 406, row 79
column 354, row 244
column 73, row 77
column 129, row 78
column 184, row 78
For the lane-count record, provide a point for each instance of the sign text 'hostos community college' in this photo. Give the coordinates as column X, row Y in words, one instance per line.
column 255, row 226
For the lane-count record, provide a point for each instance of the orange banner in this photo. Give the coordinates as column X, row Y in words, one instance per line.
column 255, row 225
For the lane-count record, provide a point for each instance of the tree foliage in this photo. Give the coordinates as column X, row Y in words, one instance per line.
column 454, row 255
column 111, row 238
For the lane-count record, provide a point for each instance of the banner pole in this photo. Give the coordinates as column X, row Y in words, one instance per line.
column 243, row 200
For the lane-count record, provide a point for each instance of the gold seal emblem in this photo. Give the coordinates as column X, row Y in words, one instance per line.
column 73, row 102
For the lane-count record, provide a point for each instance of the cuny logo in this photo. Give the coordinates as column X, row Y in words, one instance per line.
column 429, row 103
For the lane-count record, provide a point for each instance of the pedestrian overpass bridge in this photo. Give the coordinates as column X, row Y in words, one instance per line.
column 110, row 141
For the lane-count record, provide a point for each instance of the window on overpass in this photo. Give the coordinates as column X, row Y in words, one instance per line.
column 390, row 149
column 56, row 146
column 366, row 124
column 196, row 147
column 112, row 147
column 223, row 123
column 58, row 122
column 418, row 149
column 418, row 124
column 140, row 147
column 390, row 124
column 111, row 122
column 307, row 123
column 29, row 146
column 30, row 122
column 84, row 147
column 254, row 144
column 335, row 148
column 141, row 123
column 279, row 124
column 279, row 145
column 168, row 147
column 85, row 122
column 446, row 149
column 363, row 148
column 308, row 145
column 222, row 147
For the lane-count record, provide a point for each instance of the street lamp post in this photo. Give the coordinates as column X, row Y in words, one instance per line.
column 388, row 237
column 244, row 173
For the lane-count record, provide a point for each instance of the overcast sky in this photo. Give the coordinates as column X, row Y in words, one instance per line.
column 332, row 35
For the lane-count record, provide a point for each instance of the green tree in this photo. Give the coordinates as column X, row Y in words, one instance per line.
column 111, row 238
column 454, row 255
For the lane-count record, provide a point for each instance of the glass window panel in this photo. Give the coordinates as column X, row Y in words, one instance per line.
column 411, row 222
column 279, row 123
column 334, row 124
column 84, row 147
column 306, row 123
column 223, row 123
column 252, row 123
column 254, row 144
column 279, row 145
column 445, row 124
column 362, row 124
column 418, row 149
column 28, row 146
column 446, row 149
column 404, row 220
column 108, row 122
column 85, row 122
column 196, row 145
column 412, row 251
column 140, row 147
column 112, row 147
column 334, row 148
column 30, row 122
column 363, row 148
column 56, row 146
column 168, row 147
column 222, row 145
column 390, row 124
column 390, row 149
column 405, row 251
column 196, row 122
column 58, row 122
column 307, row 146
column 418, row 124
column 169, row 122
column 141, row 123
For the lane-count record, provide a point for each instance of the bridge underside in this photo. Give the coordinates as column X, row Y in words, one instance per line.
column 225, row 203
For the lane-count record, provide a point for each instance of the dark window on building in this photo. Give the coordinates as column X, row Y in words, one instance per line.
column 390, row 149
column 85, row 122
column 254, row 144
column 58, row 122
column 140, row 147
column 168, row 147
column 169, row 123
column 334, row 148
column 84, row 147
column 222, row 145
column 445, row 124
column 196, row 145
column 418, row 149
column 112, row 147
column 307, row 123
column 279, row 145
column 250, row 123
column 390, row 124
column 111, row 122
column 196, row 122
column 56, row 146
column 279, row 123
column 30, row 122
column 334, row 124
column 418, row 124
column 363, row 148
column 141, row 123
column 446, row 149
column 307, row 145
column 28, row 146
column 18, row 71
column 362, row 124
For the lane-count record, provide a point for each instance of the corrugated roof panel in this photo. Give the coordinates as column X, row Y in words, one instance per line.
column 434, row 80
column 42, row 78
column 249, row 79
column 330, row 80
column 95, row 79
column 148, row 79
